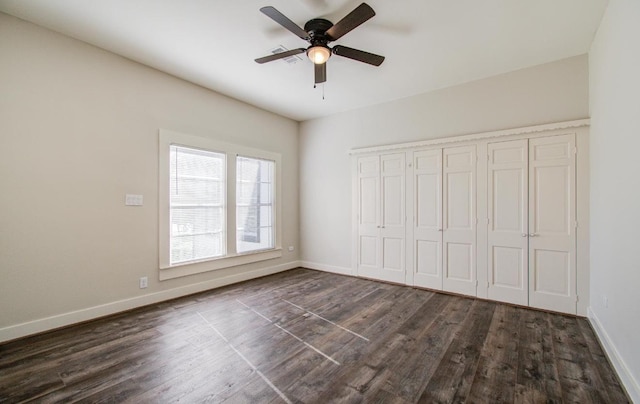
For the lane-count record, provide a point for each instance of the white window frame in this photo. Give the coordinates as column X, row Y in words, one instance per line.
column 259, row 204
column 232, row 258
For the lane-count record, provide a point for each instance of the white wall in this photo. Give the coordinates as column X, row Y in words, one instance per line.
column 543, row 94
column 79, row 130
column 614, row 63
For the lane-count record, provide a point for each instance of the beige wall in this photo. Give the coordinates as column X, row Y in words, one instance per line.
column 79, row 130
column 614, row 64
column 548, row 93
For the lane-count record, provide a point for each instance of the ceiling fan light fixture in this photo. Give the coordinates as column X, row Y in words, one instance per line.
column 318, row 32
column 319, row 54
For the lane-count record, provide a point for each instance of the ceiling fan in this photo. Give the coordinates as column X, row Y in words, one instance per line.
column 319, row 32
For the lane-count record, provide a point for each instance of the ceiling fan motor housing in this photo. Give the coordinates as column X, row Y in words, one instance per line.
column 317, row 29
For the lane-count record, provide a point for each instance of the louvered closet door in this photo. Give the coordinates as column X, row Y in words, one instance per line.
column 392, row 229
column 427, row 231
column 368, row 215
column 507, row 234
column 552, row 216
column 459, row 225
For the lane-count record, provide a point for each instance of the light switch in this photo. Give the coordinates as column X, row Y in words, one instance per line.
column 133, row 200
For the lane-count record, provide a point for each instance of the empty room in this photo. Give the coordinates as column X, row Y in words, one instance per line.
column 319, row 201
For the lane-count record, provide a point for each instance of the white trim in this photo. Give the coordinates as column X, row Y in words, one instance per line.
column 228, row 261
column 629, row 383
column 327, row 268
column 477, row 136
column 166, row 138
column 583, row 260
column 91, row 313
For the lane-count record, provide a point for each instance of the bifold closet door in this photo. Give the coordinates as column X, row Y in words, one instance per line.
column 427, row 230
column 381, row 217
column 393, row 219
column 531, row 232
column 368, row 215
column 459, row 220
column 552, row 222
column 508, row 212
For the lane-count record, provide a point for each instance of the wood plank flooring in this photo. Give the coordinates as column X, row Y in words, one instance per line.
column 304, row 336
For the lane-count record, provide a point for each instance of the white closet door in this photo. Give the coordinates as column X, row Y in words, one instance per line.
column 552, row 242
column 507, row 235
column 459, row 214
column 392, row 229
column 427, row 231
column 368, row 215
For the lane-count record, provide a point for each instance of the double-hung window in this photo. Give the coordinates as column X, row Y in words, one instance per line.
column 254, row 204
column 197, row 204
column 218, row 205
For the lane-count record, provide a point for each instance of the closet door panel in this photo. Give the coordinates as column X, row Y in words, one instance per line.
column 551, row 201
column 368, row 213
column 368, row 251
column 459, row 201
column 459, row 262
column 392, row 229
column 507, row 234
column 392, row 191
column 427, row 232
column 552, row 243
column 428, row 263
column 392, row 252
column 459, row 225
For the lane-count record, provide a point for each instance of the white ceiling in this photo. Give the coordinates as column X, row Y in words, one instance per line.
column 428, row 44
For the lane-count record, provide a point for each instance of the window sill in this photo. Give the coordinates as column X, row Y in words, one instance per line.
column 215, row 264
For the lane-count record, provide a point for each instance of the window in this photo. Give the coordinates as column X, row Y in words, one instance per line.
column 254, row 204
column 197, row 204
column 218, row 205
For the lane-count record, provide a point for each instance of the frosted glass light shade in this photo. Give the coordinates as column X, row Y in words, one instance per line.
column 319, row 54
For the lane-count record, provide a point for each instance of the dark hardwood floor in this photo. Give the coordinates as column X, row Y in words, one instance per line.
column 313, row 337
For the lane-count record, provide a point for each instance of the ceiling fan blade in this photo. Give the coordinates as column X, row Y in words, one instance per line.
column 320, row 73
column 281, row 19
column 280, row 55
column 359, row 15
column 360, row 56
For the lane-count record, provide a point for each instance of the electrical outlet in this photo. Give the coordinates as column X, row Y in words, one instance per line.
column 291, row 248
column 143, row 282
column 605, row 301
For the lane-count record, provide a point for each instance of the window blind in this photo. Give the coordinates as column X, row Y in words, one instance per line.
column 197, row 204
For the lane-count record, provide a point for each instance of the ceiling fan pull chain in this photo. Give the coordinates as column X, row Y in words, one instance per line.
column 316, row 86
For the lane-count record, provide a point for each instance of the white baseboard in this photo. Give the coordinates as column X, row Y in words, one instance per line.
column 74, row 317
column 327, row 268
column 626, row 377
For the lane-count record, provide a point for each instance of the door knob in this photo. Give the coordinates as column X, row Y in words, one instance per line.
column 532, row 234
column 439, row 229
column 524, row 234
